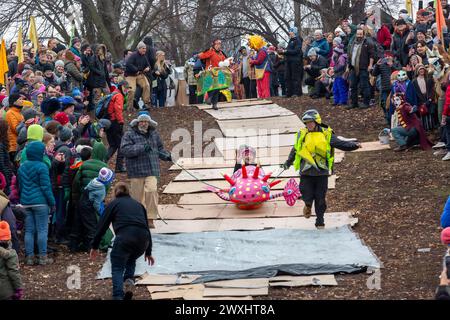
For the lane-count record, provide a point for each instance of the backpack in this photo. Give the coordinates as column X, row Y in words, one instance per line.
column 101, row 110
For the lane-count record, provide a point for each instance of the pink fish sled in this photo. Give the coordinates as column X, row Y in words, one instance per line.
column 250, row 189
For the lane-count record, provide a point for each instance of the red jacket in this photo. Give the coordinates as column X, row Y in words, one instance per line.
column 212, row 57
column 446, row 109
column 115, row 108
column 384, row 37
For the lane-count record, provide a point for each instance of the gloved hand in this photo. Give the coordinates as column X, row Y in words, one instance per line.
column 18, row 294
column 66, row 194
column 285, row 166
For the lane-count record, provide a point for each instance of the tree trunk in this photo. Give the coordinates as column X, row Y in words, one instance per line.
column 199, row 41
column 358, row 14
column 113, row 38
column 298, row 16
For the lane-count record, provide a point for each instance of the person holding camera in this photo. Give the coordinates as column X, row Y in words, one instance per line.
column 137, row 67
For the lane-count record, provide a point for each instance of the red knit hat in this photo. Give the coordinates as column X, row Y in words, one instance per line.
column 5, row 232
column 62, row 118
column 2, row 181
column 445, row 236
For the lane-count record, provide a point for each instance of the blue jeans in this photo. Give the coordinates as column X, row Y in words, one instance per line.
column 36, row 221
column 401, row 135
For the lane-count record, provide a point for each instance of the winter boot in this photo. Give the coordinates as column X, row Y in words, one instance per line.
column 29, row 261
column 44, row 260
column 129, row 287
column 307, row 211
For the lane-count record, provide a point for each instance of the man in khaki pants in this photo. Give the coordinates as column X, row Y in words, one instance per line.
column 143, row 148
column 137, row 66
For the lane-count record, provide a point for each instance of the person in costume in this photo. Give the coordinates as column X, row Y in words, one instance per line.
column 399, row 86
column 247, row 154
column 262, row 65
column 313, row 156
column 407, row 127
column 212, row 57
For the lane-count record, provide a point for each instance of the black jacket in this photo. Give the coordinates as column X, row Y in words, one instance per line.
column 13, row 65
column 98, row 71
column 5, row 164
column 123, row 212
column 316, row 66
column 151, row 51
column 367, row 53
column 400, row 48
column 136, row 63
column 293, row 51
column 384, row 71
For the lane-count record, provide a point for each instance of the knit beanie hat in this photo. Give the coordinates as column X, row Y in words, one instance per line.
column 445, row 236
column 337, row 40
column 2, row 181
column 50, row 106
column 294, row 30
column 146, row 117
column 76, row 92
column 29, row 114
column 13, row 99
column 105, row 176
column 59, row 63
column 104, row 123
column 5, row 231
column 35, row 133
column 341, row 32
column 141, row 45
column 312, row 52
column 62, row 118
column 65, row 134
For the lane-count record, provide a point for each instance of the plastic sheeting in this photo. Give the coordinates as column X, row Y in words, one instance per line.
column 256, row 254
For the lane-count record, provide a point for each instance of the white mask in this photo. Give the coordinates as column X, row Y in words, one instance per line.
column 397, row 101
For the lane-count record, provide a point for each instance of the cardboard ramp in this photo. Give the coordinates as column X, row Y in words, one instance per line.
column 372, row 146
column 217, row 174
column 251, row 112
column 198, row 187
column 229, row 210
column 277, row 152
column 207, row 198
column 303, row 281
column 333, row 220
column 233, row 104
column 263, row 141
column 256, row 127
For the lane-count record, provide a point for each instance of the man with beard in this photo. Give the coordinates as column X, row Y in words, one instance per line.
column 361, row 60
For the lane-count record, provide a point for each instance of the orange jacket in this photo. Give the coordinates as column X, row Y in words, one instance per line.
column 212, row 57
column 13, row 118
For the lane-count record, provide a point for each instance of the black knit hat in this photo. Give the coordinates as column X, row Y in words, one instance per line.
column 400, row 22
column 50, row 106
column 13, row 98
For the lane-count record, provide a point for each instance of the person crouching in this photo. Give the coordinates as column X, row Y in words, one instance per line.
column 133, row 239
column 11, row 287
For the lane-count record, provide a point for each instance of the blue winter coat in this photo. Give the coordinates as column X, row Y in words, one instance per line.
column 322, row 47
column 445, row 218
column 34, row 178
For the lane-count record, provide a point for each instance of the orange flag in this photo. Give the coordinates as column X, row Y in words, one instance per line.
column 440, row 20
column 3, row 63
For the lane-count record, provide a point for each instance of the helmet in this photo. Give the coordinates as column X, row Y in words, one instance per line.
column 312, row 115
column 402, row 75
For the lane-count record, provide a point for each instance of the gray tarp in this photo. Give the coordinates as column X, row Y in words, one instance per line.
column 250, row 254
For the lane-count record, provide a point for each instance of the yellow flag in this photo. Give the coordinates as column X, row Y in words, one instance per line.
column 19, row 47
column 409, row 7
column 3, row 62
column 32, row 34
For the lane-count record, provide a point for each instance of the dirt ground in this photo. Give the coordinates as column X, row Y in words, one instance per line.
column 398, row 198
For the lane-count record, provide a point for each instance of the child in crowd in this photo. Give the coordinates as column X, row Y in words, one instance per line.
column 11, row 287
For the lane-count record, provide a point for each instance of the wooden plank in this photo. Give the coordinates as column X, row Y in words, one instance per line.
column 234, row 292
column 333, row 220
column 166, row 279
column 261, row 141
column 229, row 211
column 372, row 146
column 257, row 127
column 199, row 187
column 217, row 174
column 167, row 288
column 240, row 283
column 226, row 298
column 300, row 281
column 234, row 104
column 251, row 112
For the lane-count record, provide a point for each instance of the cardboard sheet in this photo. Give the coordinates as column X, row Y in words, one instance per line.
column 166, row 279
column 233, row 104
column 333, row 220
column 257, row 127
column 234, row 292
column 251, row 112
column 372, row 146
column 301, row 281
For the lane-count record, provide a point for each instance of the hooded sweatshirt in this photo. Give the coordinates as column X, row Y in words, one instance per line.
column 97, row 193
column 89, row 169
